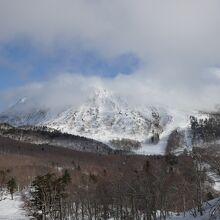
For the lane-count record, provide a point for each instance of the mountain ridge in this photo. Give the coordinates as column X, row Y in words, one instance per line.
column 104, row 116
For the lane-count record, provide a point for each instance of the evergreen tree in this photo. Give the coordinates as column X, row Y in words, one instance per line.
column 48, row 193
column 66, row 177
column 12, row 186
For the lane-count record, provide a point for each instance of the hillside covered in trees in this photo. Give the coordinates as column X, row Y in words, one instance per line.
column 60, row 183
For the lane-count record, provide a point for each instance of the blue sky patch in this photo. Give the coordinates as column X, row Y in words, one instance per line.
column 21, row 63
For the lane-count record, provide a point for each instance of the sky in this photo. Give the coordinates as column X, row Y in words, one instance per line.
column 148, row 51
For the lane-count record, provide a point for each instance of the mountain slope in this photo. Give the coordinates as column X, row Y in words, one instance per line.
column 25, row 112
column 43, row 136
column 105, row 117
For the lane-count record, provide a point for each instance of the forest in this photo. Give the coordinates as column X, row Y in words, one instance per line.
column 60, row 183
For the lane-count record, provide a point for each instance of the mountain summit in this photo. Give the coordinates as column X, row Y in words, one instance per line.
column 104, row 116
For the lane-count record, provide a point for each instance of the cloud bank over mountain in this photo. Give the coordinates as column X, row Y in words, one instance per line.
column 177, row 44
column 136, row 89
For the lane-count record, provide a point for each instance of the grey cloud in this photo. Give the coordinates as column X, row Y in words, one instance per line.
column 176, row 41
column 153, row 29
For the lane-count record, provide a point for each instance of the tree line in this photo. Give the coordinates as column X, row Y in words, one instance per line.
column 153, row 191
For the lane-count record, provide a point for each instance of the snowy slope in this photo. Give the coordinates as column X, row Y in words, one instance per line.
column 26, row 112
column 179, row 120
column 104, row 117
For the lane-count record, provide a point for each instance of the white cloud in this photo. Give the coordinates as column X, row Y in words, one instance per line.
column 152, row 29
column 136, row 89
column 176, row 41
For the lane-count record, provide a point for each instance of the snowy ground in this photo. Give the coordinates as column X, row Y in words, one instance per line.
column 216, row 179
column 152, row 149
column 208, row 208
column 12, row 209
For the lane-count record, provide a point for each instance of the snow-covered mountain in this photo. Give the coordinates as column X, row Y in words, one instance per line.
column 26, row 112
column 104, row 117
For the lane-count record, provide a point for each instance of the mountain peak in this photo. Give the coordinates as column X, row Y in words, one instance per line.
column 22, row 100
column 101, row 92
column 104, row 116
column 19, row 102
column 103, row 99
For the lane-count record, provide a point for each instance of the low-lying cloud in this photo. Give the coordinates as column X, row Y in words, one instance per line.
column 137, row 90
